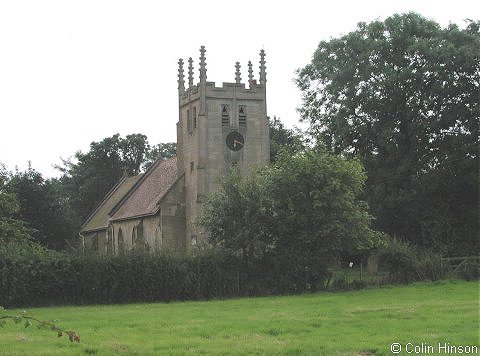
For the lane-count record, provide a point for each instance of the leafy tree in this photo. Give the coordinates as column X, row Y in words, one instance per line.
column 239, row 215
column 12, row 230
column 161, row 150
column 133, row 151
column 301, row 211
column 282, row 138
column 402, row 94
column 40, row 204
column 94, row 173
column 317, row 207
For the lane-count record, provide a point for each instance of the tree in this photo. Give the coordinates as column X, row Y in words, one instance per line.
column 94, row 173
column 282, row 138
column 317, row 208
column 402, row 95
column 12, row 230
column 302, row 212
column 161, row 150
column 133, row 151
column 238, row 216
column 40, row 204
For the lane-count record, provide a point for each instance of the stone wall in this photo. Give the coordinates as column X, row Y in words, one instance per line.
column 95, row 241
column 172, row 209
column 166, row 229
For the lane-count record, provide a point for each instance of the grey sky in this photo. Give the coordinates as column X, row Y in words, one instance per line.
column 76, row 71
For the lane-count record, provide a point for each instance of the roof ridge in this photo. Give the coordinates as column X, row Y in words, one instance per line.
column 139, row 182
column 177, row 179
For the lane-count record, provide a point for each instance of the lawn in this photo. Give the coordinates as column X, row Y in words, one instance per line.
column 344, row 323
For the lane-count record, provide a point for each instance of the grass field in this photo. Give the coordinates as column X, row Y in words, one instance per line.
column 345, row 323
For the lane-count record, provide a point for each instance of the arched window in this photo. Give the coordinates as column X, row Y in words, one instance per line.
column 121, row 244
column 134, row 236
column 109, row 242
column 95, row 242
column 140, row 238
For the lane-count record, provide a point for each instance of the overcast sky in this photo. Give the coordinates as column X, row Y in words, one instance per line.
column 72, row 72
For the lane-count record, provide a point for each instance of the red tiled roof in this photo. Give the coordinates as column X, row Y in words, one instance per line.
column 146, row 194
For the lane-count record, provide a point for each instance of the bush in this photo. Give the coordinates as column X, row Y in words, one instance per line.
column 405, row 263
column 34, row 277
column 429, row 266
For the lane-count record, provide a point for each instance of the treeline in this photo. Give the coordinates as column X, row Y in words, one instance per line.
column 54, row 208
column 402, row 95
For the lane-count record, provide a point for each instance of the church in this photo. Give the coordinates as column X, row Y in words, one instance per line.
column 217, row 128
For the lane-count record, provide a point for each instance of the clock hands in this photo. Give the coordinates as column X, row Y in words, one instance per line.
column 235, row 141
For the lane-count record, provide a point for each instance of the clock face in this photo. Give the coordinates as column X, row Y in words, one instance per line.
column 235, row 141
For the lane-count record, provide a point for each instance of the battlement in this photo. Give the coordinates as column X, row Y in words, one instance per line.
column 187, row 92
column 227, row 90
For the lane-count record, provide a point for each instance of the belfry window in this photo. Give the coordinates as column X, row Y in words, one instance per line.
column 225, row 115
column 242, row 115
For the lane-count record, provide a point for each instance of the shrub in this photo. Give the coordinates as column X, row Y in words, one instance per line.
column 405, row 262
column 33, row 277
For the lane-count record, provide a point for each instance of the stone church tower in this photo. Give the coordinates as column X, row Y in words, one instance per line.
column 218, row 127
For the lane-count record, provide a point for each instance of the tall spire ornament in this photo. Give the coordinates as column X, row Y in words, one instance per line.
column 181, row 80
column 263, row 73
column 238, row 79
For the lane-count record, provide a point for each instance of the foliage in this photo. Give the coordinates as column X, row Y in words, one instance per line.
column 161, row 150
column 317, row 205
column 406, row 263
column 282, row 138
column 94, row 173
column 28, row 319
column 41, row 203
column 293, row 216
column 239, row 216
column 34, row 276
column 55, row 208
column 343, row 323
column 12, row 230
column 88, row 178
column 51, row 210
column 402, row 94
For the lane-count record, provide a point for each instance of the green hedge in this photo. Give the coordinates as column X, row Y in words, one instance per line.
column 35, row 278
